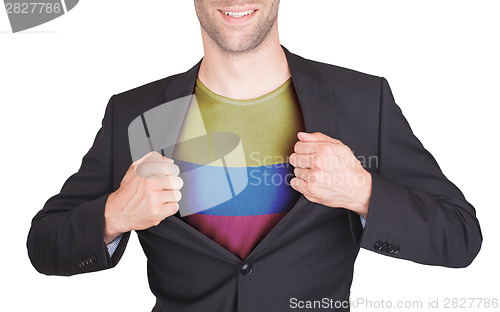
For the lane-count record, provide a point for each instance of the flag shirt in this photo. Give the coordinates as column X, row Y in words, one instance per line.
column 233, row 157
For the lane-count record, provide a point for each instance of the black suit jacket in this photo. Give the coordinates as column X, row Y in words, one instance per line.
column 415, row 212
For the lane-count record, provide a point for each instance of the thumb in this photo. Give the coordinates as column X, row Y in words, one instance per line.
column 152, row 156
column 316, row 137
column 147, row 157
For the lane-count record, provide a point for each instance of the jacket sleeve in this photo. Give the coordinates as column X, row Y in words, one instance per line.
column 415, row 212
column 67, row 235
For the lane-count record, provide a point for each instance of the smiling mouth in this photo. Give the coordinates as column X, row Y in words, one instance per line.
column 238, row 14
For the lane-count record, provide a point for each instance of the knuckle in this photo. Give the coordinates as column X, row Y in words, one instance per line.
column 296, row 147
column 317, row 161
column 177, row 195
column 172, row 208
column 179, row 182
column 298, row 161
column 319, row 178
column 313, row 177
column 174, row 169
column 169, row 183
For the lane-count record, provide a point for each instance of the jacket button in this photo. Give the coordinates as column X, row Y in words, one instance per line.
column 93, row 260
column 378, row 245
column 384, row 246
column 390, row 249
column 395, row 249
column 83, row 263
column 246, row 269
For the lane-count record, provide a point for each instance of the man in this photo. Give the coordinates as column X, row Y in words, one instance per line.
column 283, row 243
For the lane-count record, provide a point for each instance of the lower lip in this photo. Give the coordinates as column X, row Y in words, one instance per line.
column 237, row 20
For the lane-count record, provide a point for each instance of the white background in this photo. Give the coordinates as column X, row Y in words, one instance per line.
column 441, row 59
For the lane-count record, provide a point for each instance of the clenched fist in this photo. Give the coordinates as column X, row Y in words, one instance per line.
column 328, row 173
column 148, row 193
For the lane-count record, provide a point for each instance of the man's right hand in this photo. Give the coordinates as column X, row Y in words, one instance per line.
column 148, row 193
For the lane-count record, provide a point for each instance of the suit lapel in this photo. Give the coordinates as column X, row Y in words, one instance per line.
column 316, row 99
column 183, row 85
column 318, row 108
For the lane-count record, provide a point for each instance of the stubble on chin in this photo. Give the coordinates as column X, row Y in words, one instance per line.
column 249, row 43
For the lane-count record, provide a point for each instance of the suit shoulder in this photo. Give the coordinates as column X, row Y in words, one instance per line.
column 339, row 74
column 152, row 90
column 131, row 103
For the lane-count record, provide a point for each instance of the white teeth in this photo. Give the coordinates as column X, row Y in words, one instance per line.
column 239, row 14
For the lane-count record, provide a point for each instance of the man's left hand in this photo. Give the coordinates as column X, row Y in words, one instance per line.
column 328, row 173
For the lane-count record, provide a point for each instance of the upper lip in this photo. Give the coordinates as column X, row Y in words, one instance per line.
column 238, row 9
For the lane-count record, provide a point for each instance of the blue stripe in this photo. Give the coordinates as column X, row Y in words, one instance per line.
column 259, row 190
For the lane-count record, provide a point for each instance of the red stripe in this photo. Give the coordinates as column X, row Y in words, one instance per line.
column 238, row 234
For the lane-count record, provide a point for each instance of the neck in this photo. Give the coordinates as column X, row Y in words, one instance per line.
column 244, row 75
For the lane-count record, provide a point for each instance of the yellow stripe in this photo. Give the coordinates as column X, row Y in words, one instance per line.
column 267, row 125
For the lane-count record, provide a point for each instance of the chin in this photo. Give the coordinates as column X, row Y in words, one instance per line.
column 238, row 44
